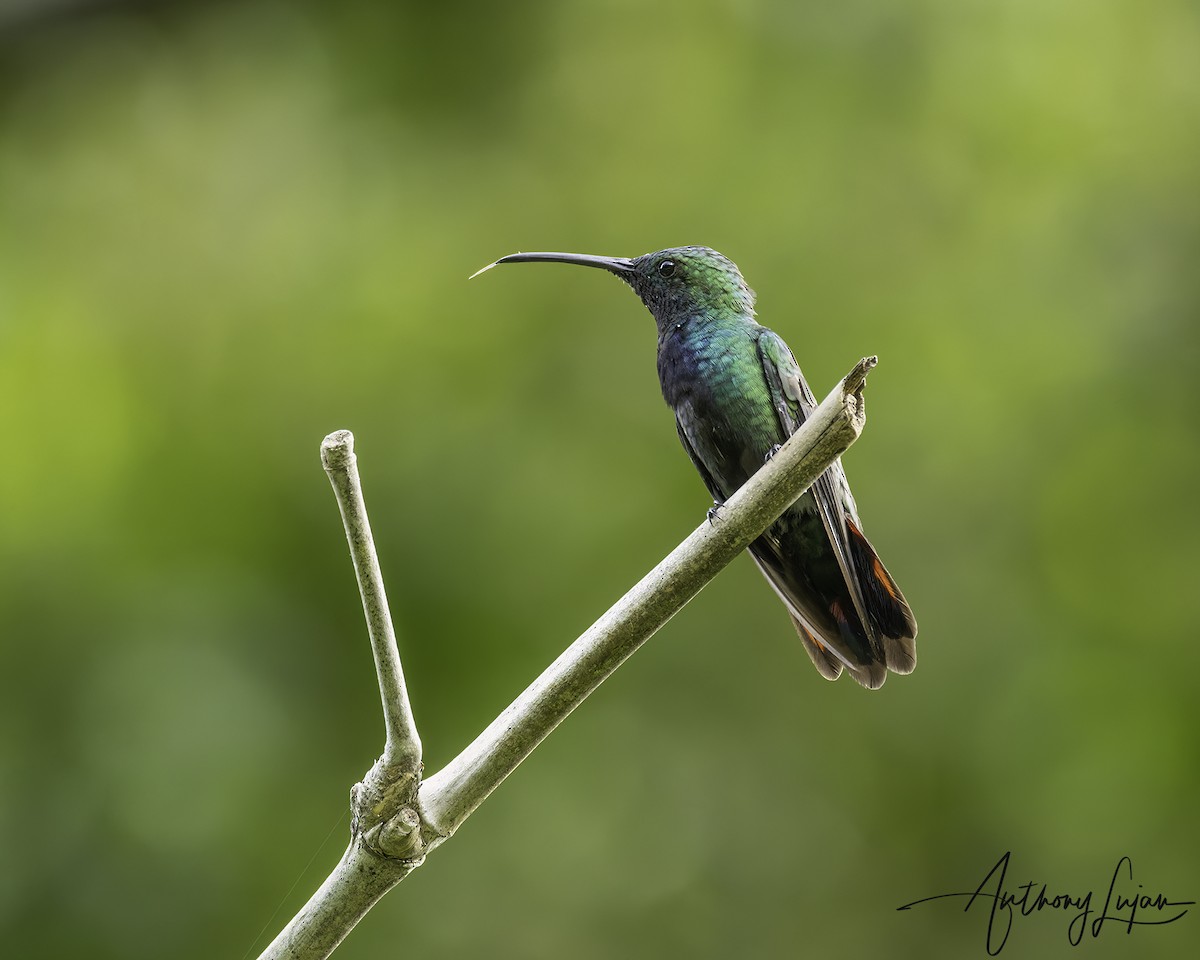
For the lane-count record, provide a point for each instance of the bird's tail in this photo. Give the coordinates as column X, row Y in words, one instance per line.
column 888, row 612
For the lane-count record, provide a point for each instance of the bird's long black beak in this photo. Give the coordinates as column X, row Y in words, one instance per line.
column 621, row 266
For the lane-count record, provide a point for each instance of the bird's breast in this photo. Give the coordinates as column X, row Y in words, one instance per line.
column 714, row 382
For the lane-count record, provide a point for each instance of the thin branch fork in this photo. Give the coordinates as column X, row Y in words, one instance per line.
column 398, row 818
column 402, row 746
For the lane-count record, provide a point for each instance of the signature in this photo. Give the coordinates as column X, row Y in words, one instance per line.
column 1127, row 910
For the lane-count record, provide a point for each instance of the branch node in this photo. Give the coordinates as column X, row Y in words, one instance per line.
column 398, row 837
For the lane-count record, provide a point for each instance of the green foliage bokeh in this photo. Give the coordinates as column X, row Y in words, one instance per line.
column 228, row 229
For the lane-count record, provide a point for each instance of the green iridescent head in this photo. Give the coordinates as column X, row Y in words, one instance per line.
column 674, row 284
column 685, row 281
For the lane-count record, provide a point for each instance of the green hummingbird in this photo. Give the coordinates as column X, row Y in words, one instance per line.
column 737, row 394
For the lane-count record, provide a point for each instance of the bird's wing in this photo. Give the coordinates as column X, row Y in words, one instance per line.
column 880, row 605
column 794, row 403
column 714, row 488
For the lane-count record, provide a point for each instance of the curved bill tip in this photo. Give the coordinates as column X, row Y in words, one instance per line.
column 483, row 270
column 617, row 265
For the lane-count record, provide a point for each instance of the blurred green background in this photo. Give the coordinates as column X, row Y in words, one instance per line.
column 227, row 229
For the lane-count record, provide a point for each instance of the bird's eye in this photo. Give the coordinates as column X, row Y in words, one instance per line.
column 666, row 268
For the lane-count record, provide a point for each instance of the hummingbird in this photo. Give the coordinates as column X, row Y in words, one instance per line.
column 738, row 394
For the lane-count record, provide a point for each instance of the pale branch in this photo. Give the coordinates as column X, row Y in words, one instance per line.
column 397, row 818
column 360, row 878
column 449, row 796
column 402, row 745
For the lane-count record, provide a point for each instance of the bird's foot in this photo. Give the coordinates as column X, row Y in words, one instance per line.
column 775, row 448
column 714, row 512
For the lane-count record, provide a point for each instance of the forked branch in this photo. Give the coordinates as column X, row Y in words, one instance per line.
column 398, row 818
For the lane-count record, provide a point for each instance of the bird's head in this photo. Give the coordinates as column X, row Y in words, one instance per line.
column 674, row 284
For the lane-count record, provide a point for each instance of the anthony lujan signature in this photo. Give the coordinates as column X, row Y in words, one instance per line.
column 1122, row 906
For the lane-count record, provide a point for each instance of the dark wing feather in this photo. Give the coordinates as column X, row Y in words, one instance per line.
column 718, row 494
column 872, row 638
